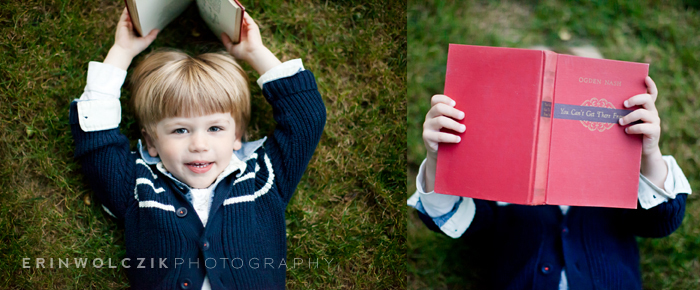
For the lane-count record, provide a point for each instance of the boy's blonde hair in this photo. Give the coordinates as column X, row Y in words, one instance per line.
column 171, row 83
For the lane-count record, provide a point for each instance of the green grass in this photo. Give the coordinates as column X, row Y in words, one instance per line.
column 349, row 206
column 663, row 34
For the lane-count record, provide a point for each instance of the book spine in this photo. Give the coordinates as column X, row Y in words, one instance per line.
column 544, row 128
column 134, row 15
column 240, row 24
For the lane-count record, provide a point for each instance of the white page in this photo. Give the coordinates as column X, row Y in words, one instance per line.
column 221, row 16
column 156, row 14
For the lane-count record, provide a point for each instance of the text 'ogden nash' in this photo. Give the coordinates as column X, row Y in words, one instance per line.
column 599, row 82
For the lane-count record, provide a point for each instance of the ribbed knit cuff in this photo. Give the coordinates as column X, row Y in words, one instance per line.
column 286, row 69
column 289, row 86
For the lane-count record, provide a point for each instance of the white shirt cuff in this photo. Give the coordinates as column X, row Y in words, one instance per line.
column 99, row 107
column 457, row 223
column 435, row 204
column 104, row 81
column 650, row 195
column 286, row 69
column 98, row 115
column 461, row 219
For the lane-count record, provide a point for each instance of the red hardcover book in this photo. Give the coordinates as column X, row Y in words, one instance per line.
column 541, row 128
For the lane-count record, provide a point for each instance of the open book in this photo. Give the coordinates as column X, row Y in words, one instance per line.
column 220, row 15
column 541, row 128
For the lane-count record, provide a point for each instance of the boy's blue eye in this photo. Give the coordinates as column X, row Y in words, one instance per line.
column 180, row 131
column 215, row 129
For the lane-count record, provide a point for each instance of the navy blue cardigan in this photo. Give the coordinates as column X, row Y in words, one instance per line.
column 244, row 244
column 529, row 245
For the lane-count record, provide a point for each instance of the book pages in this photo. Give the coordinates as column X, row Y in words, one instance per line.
column 156, row 14
column 222, row 16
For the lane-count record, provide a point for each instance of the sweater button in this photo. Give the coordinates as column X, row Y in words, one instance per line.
column 186, row 284
column 565, row 230
column 181, row 212
column 205, row 246
column 546, row 269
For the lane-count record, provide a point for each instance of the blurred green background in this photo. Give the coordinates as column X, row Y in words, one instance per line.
column 664, row 34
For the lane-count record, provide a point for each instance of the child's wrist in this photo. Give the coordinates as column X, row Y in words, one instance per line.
column 431, row 156
column 654, row 168
column 262, row 60
column 652, row 153
column 118, row 57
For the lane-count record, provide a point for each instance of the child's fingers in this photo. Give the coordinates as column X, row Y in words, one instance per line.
column 249, row 20
column 640, row 114
column 124, row 16
column 644, row 128
column 436, row 99
column 437, row 123
column 440, row 137
column 152, row 35
column 651, row 88
column 644, row 100
column 226, row 40
column 441, row 109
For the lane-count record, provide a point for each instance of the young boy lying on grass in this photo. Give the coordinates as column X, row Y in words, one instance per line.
column 201, row 207
column 558, row 247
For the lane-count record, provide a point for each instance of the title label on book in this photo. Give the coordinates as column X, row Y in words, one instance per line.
column 594, row 114
column 546, row 109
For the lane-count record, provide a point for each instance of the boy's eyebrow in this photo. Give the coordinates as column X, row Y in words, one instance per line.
column 175, row 122
column 220, row 120
column 186, row 121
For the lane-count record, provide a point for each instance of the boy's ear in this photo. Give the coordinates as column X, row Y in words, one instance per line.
column 150, row 145
column 237, row 144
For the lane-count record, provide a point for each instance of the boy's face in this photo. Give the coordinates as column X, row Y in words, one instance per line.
column 197, row 149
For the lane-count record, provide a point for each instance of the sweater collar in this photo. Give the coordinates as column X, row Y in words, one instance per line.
column 238, row 160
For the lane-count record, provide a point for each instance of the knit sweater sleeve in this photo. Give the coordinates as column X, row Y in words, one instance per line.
column 656, row 222
column 659, row 211
column 300, row 114
column 101, row 149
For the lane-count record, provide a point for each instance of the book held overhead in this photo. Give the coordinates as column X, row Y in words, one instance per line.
column 219, row 15
column 542, row 128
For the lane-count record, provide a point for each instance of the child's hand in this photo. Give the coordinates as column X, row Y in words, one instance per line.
column 653, row 167
column 250, row 48
column 651, row 123
column 442, row 114
column 126, row 44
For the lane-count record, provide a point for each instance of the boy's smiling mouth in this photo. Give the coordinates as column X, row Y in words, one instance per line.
column 199, row 166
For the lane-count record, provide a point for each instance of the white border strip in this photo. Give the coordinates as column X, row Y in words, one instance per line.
column 152, row 203
column 259, row 193
column 140, row 161
column 145, row 181
column 248, row 175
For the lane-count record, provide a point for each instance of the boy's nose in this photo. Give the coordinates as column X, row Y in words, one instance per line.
column 199, row 143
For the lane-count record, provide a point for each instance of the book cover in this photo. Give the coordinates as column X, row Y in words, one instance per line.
column 541, row 128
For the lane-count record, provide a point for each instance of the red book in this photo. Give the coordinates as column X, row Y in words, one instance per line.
column 542, row 128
